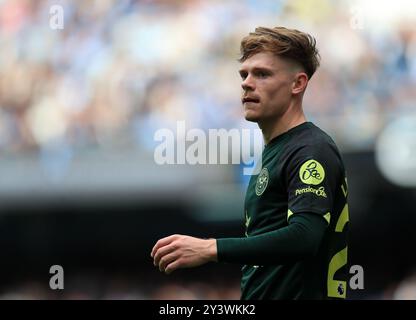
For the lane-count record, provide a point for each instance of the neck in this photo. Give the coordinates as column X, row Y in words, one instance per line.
column 293, row 117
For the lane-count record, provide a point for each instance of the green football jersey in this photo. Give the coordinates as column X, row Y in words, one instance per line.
column 302, row 180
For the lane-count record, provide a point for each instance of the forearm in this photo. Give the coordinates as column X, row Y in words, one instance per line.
column 299, row 240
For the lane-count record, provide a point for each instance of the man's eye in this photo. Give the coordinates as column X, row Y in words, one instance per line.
column 262, row 74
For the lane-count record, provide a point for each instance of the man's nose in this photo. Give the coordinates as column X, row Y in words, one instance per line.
column 248, row 84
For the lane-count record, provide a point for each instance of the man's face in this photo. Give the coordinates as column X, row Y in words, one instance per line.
column 267, row 87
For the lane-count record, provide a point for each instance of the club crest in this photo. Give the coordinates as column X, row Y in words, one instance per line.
column 262, row 181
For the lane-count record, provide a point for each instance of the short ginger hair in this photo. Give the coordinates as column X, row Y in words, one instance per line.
column 286, row 43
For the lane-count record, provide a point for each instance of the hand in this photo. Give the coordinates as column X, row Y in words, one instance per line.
column 179, row 251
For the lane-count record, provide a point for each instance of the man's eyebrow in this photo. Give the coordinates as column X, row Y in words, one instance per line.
column 256, row 69
column 262, row 69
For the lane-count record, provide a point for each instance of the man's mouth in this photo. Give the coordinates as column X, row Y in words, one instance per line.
column 250, row 99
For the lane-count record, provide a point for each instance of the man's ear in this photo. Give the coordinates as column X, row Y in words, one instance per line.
column 299, row 83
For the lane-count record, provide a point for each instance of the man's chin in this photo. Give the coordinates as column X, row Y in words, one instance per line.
column 251, row 117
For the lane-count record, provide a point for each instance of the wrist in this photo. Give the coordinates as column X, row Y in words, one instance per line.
column 212, row 250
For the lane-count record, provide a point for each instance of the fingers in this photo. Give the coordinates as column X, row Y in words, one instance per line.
column 162, row 252
column 166, row 260
column 162, row 242
column 173, row 252
column 172, row 266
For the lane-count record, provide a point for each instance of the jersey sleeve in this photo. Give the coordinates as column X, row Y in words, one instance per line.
column 311, row 175
column 297, row 241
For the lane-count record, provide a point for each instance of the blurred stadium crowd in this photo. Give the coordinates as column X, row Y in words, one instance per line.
column 121, row 69
column 86, row 286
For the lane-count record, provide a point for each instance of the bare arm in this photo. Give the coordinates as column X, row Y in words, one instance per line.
column 299, row 240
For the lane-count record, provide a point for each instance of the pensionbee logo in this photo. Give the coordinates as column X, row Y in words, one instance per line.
column 312, row 172
column 319, row 192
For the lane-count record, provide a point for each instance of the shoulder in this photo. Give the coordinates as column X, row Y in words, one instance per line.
column 311, row 135
column 312, row 143
column 311, row 139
